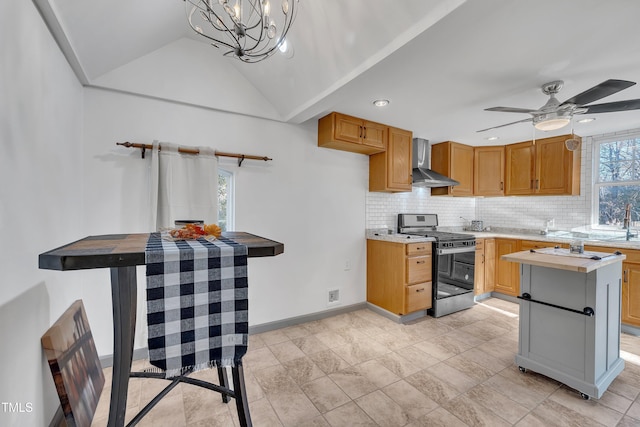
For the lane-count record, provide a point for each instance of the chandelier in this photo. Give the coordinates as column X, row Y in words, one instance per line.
column 249, row 28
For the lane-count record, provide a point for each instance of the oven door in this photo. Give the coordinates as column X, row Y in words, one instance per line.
column 455, row 272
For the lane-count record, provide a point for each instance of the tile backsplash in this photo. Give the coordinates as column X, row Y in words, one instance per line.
column 510, row 212
column 382, row 209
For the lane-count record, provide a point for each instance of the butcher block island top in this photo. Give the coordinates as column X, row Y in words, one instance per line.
column 122, row 250
column 563, row 259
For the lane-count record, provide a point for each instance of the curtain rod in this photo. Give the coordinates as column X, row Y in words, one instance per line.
column 186, row 150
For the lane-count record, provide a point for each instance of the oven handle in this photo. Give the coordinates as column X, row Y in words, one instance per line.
column 448, row 251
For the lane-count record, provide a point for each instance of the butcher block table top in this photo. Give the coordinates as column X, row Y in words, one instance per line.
column 562, row 259
column 122, row 250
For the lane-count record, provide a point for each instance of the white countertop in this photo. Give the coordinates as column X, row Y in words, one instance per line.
column 632, row 244
column 382, row 234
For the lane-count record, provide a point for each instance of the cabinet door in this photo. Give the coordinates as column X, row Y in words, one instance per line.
column 554, row 166
column 374, row 135
column 399, row 160
column 390, row 171
column 631, row 294
column 507, row 273
column 455, row 161
column 348, row 128
column 478, row 274
column 489, row 265
column 488, row 171
column 519, row 174
column 462, row 169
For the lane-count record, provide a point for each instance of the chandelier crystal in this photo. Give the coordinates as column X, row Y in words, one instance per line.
column 252, row 30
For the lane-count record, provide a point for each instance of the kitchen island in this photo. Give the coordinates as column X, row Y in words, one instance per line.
column 121, row 253
column 570, row 317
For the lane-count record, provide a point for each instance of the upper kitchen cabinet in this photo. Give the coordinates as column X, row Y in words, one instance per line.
column 542, row 167
column 488, row 171
column 348, row 133
column 455, row 161
column 390, row 171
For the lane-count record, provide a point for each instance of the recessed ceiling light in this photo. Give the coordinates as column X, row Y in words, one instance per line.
column 492, row 138
column 381, row 102
column 586, row 120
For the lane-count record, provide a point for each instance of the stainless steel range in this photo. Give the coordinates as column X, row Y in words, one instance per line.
column 453, row 263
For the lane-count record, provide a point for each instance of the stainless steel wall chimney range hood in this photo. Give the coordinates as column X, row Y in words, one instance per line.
column 422, row 175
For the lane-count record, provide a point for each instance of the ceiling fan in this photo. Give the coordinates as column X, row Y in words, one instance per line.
column 555, row 114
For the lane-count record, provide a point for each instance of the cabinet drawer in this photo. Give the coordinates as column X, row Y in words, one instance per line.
column 418, row 297
column 419, row 269
column 419, row 248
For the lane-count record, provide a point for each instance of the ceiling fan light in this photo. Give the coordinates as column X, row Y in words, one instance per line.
column 552, row 124
column 551, row 121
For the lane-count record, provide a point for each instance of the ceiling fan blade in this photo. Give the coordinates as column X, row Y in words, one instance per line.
column 510, row 110
column 600, row 91
column 507, row 124
column 610, row 107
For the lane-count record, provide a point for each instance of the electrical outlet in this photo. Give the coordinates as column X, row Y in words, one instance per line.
column 333, row 297
column 347, row 265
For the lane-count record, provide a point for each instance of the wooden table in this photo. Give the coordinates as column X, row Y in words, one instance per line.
column 121, row 253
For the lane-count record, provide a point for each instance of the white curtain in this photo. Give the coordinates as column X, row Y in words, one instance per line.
column 183, row 186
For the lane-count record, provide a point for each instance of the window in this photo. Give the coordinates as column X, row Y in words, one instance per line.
column 617, row 180
column 225, row 200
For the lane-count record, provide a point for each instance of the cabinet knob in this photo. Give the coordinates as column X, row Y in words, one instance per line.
column 625, row 277
column 420, row 290
column 420, row 262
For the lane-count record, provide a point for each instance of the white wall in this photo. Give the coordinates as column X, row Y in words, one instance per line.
column 40, row 204
column 311, row 199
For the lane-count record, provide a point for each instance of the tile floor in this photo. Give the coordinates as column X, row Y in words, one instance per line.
column 362, row 369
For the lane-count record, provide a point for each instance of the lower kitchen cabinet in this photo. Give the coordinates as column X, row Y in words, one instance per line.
column 526, row 245
column 507, row 273
column 630, row 307
column 399, row 275
column 631, row 293
column 485, row 267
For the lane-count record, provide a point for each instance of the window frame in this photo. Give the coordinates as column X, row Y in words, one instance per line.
column 230, row 224
column 597, row 184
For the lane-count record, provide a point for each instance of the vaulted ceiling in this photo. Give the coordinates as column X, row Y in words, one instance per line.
column 439, row 62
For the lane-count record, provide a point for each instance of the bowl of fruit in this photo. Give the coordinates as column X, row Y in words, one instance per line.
column 194, row 230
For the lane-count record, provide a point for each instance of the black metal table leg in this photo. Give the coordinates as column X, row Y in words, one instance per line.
column 123, row 293
column 224, row 382
column 241, row 395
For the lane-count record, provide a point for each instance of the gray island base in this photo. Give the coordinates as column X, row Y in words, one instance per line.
column 570, row 317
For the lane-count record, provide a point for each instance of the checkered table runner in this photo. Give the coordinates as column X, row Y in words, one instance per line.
column 197, row 303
